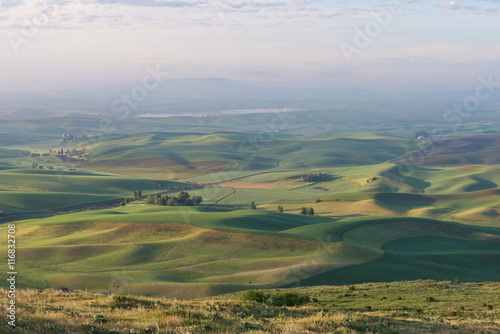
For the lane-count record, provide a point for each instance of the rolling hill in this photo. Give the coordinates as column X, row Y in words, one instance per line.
column 459, row 151
column 191, row 252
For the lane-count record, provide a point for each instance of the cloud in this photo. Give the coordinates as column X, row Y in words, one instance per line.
column 147, row 3
column 196, row 3
column 461, row 5
column 407, row 61
column 10, row 3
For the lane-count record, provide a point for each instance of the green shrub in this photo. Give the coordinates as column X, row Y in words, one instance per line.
column 289, row 299
column 255, row 296
column 100, row 318
column 277, row 299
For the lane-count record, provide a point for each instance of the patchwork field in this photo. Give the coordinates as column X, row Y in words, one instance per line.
column 376, row 218
column 192, row 252
column 23, row 190
column 460, row 151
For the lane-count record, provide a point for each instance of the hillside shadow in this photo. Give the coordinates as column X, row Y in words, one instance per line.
column 481, row 184
column 401, row 201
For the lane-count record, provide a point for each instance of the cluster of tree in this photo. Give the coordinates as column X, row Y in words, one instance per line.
column 61, row 151
column 35, row 166
column 127, row 200
column 183, row 198
column 319, row 177
column 135, row 195
column 307, row 211
column 69, row 137
column 279, row 209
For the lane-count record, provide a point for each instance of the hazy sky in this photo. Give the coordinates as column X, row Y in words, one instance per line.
column 69, row 43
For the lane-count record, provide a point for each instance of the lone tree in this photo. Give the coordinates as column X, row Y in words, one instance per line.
column 252, row 206
column 310, row 211
column 303, row 211
column 279, row 209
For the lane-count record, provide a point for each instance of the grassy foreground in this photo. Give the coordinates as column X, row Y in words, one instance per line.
column 400, row 307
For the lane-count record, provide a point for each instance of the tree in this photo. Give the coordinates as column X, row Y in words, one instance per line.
column 160, row 201
column 127, row 200
column 182, row 197
column 122, row 203
column 150, row 199
column 172, row 202
column 134, row 194
column 189, row 202
column 197, row 200
column 252, row 206
column 139, row 193
column 310, row 211
column 279, row 209
column 303, row 211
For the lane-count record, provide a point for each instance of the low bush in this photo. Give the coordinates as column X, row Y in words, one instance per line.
column 289, row 299
column 278, row 299
column 255, row 296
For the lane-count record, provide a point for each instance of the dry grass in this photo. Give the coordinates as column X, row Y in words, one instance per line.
column 368, row 308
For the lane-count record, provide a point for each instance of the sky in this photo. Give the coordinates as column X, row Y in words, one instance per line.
column 58, row 44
